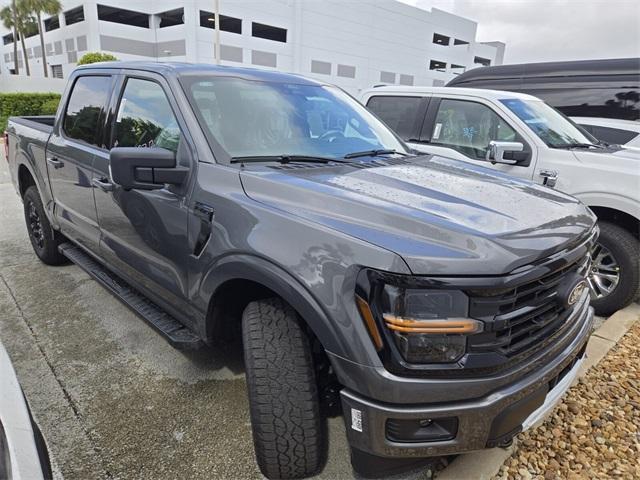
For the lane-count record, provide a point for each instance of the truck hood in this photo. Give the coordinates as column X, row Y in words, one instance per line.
column 442, row 216
column 616, row 153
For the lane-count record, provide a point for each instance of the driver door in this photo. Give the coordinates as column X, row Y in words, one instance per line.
column 143, row 232
column 462, row 129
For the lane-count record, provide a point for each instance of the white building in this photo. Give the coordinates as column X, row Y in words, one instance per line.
column 351, row 43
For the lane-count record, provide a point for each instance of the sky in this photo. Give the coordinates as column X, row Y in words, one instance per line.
column 548, row 30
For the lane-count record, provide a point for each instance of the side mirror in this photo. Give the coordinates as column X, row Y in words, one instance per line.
column 145, row 168
column 496, row 151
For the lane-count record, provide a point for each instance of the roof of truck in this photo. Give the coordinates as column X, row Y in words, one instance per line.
column 187, row 69
column 447, row 91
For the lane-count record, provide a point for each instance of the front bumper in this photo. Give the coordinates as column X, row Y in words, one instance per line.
column 480, row 423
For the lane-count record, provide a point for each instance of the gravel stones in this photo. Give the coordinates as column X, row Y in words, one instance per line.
column 594, row 433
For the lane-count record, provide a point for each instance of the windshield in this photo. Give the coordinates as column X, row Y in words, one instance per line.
column 551, row 126
column 252, row 118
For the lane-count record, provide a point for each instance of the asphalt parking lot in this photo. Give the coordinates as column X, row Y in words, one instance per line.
column 112, row 398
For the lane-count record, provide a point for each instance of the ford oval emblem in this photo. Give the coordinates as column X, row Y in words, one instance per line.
column 576, row 292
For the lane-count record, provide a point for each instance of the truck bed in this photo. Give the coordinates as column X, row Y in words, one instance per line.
column 43, row 123
column 28, row 137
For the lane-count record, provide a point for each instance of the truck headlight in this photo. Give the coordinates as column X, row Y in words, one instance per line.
column 426, row 325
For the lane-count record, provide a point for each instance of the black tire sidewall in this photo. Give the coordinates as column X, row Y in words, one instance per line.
column 48, row 253
column 624, row 248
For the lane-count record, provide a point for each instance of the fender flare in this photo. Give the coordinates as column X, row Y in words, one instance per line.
column 259, row 270
column 23, row 160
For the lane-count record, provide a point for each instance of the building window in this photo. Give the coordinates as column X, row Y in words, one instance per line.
column 7, row 39
column 406, row 79
column 437, row 65
column 125, row 17
column 322, row 68
column 387, row 77
column 56, row 71
column 72, row 57
column 52, row 23
column 346, row 71
column 457, row 41
column 269, row 32
column 81, row 42
column 440, row 39
column 227, row 24
column 57, row 47
column 485, row 62
column 171, row 18
column 264, row 59
column 75, row 15
column 69, row 44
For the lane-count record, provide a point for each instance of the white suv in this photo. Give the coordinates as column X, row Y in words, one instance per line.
column 522, row 136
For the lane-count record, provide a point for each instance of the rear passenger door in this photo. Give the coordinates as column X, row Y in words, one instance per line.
column 70, row 154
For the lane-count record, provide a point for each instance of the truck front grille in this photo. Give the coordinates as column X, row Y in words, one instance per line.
column 525, row 318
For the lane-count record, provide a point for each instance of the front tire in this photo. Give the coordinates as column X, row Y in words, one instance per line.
column 615, row 273
column 44, row 239
column 289, row 435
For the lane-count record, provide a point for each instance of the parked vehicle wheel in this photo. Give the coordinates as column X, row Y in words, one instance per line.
column 288, row 433
column 44, row 239
column 615, row 270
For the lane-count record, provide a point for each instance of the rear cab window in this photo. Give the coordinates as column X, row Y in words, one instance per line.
column 85, row 108
column 400, row 113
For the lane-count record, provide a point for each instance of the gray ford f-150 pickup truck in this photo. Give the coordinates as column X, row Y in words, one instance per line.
column 440, row 304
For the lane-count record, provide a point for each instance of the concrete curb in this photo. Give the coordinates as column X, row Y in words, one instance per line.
column 485, row 464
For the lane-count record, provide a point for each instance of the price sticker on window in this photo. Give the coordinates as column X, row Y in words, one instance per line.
column 436, row 131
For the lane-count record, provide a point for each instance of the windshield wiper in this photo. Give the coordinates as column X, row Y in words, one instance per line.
column 283, row 159
column 577, row 145
column 374, row 153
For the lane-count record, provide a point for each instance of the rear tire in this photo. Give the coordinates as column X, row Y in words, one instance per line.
column 625, row 249
column 289, row 434
column 44, row 239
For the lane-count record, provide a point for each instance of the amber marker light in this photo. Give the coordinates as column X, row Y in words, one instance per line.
column 440, row 326
column 367, row 316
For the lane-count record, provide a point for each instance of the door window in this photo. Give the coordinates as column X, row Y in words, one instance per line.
column 468, row 127
column 84, row 109
column 145, row 118
column 399, row 113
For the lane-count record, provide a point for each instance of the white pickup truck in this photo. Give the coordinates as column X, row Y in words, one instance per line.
column 521, row 135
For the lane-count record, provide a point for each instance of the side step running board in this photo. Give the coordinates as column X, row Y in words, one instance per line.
column 176, row 333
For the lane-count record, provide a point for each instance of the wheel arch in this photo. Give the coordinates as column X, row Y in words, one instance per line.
column 25, row 179
column 240, row 279
column 618, row 217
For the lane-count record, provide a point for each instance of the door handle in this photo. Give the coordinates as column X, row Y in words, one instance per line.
column 549, row 177
column 55, row 163
column 103, row 184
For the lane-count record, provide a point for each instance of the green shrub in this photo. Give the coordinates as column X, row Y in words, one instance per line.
column 19, row 104
column 93, row 57
column 49, row 107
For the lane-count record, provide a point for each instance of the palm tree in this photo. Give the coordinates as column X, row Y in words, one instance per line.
column 8, row 16
column 50, row 7
column 25, row 24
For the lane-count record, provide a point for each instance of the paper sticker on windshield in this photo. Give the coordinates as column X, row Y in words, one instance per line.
column 436, row 131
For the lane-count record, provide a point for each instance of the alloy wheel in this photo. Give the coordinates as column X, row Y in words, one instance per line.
column 35, row 225
column 604, row 274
